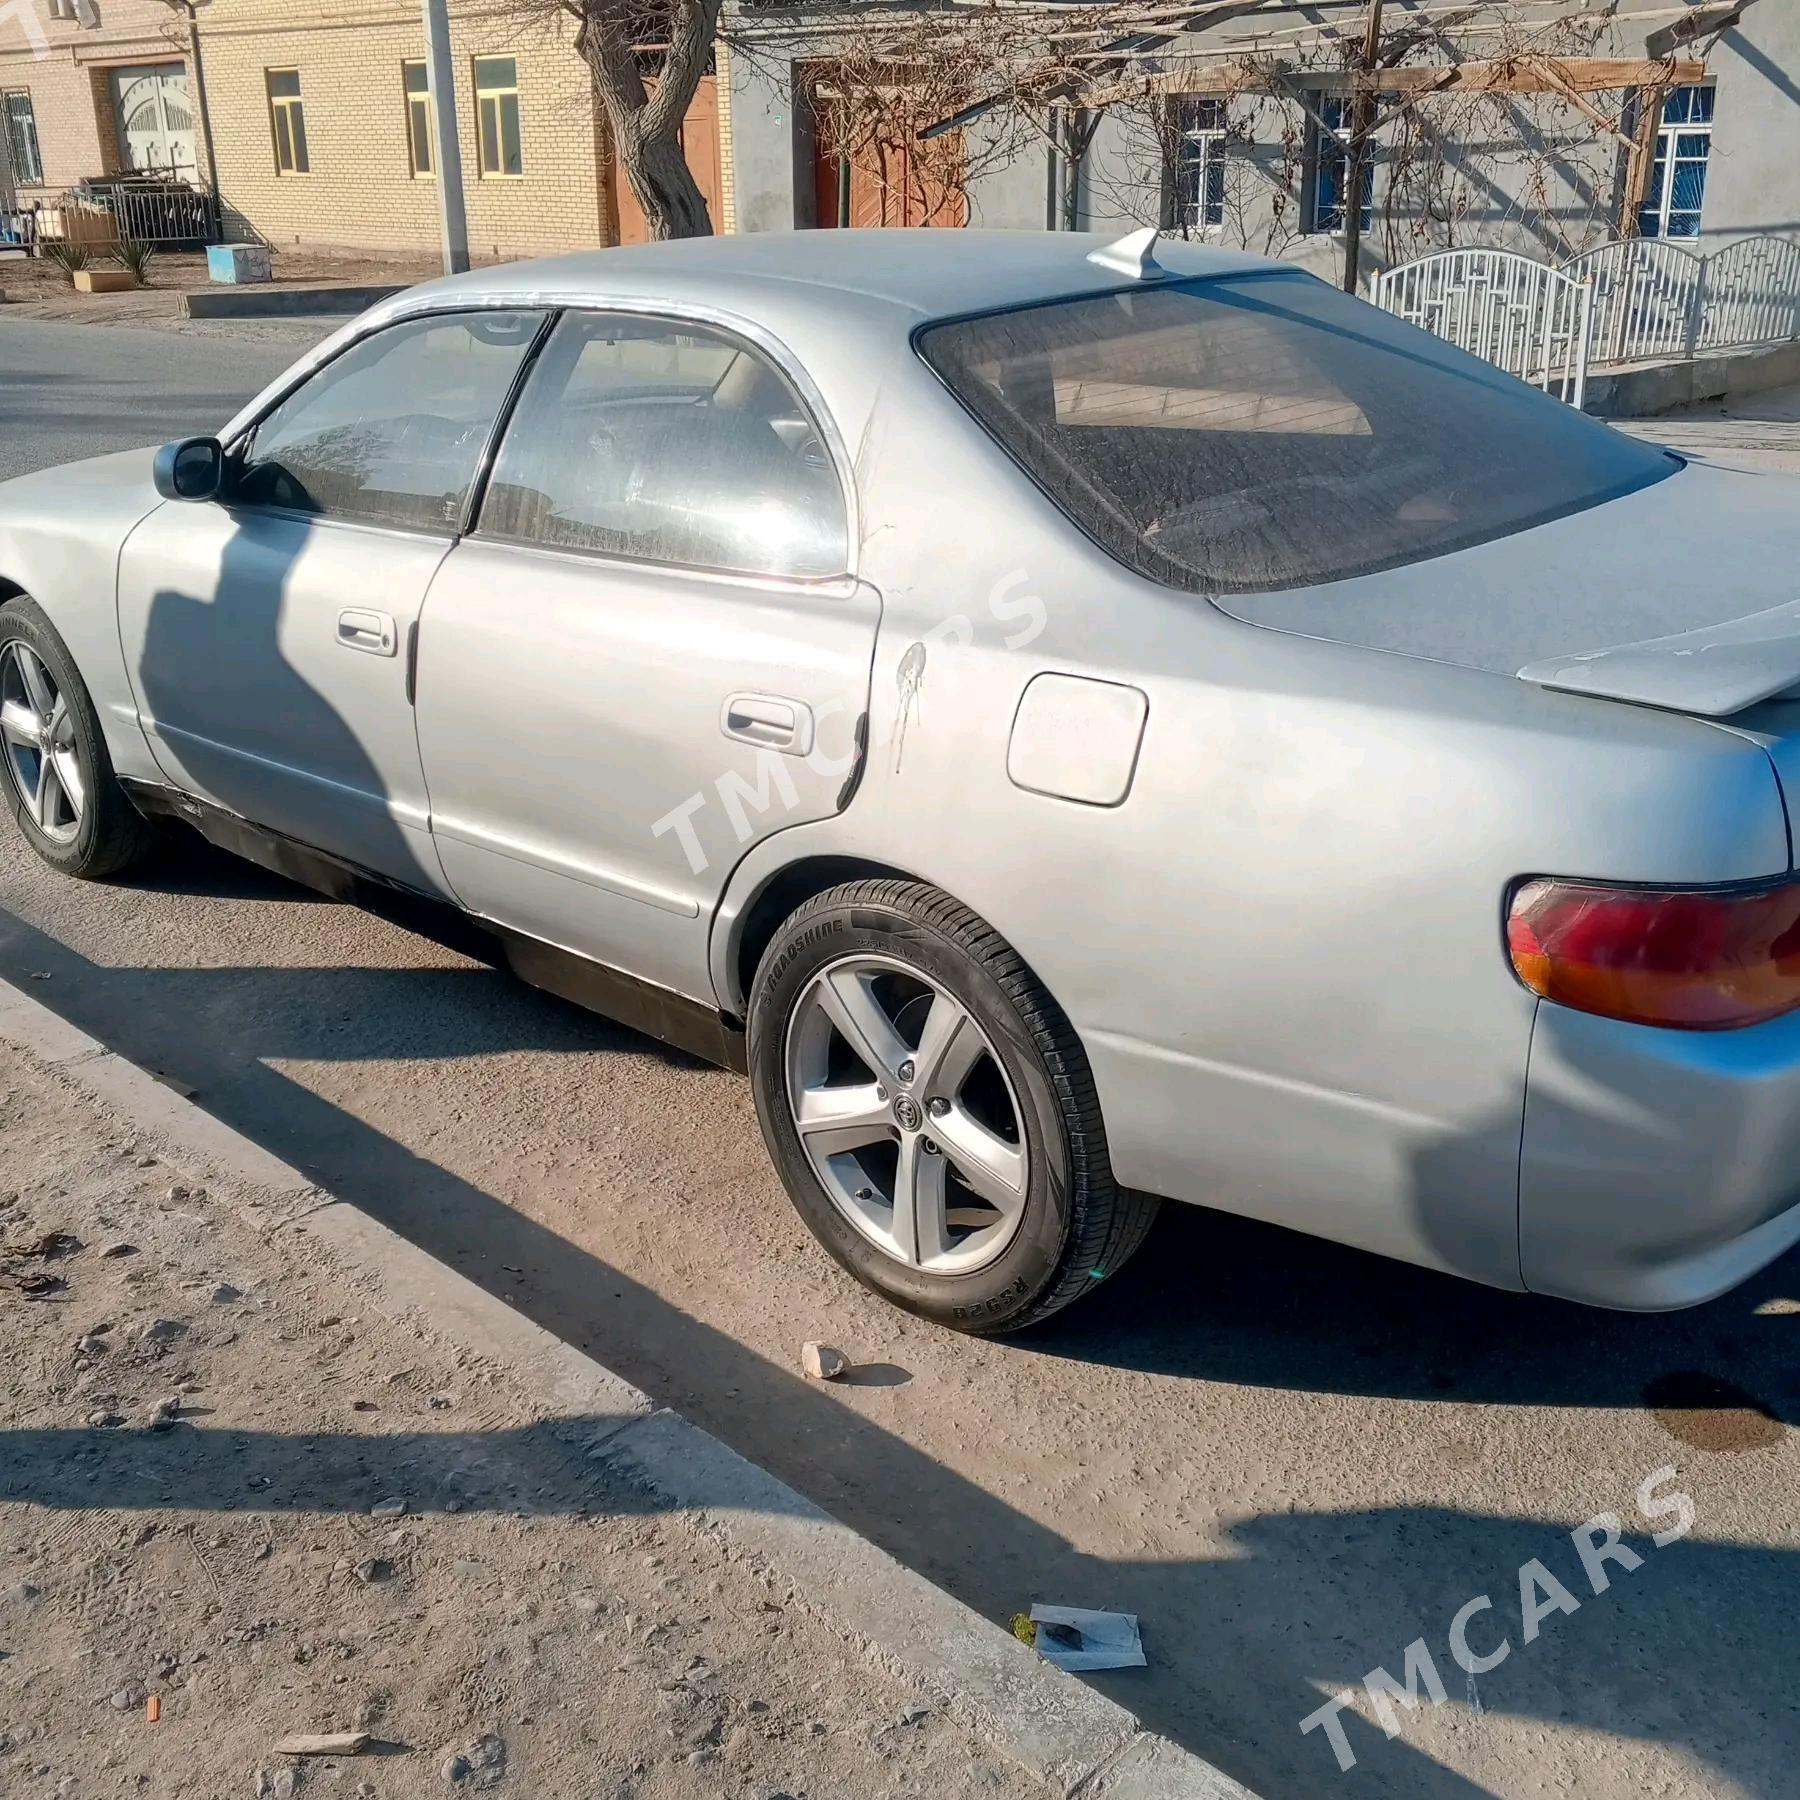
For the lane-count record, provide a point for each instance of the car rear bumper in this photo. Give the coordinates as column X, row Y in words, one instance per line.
column 1658, row 1168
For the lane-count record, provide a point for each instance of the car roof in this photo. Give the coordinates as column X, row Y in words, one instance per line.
column 915, row 274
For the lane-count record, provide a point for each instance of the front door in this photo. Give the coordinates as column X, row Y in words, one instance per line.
column 650, row 654
column 268, row 635
column 156, row 124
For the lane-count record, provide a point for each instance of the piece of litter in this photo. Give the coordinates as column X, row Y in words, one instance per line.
column 324, row 1743
column 152, row 1709
column 822, row 1363
column 1102, row 1640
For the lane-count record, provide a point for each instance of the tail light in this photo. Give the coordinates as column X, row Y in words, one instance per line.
column 1701, row 960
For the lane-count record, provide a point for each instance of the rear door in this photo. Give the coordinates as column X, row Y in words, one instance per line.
column 651, row 652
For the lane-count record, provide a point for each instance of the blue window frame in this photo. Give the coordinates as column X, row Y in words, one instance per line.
column 1677, row 186
column 1329, row 165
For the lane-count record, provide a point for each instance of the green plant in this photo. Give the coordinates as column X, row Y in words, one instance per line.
column 68, row 257
column 136, row 258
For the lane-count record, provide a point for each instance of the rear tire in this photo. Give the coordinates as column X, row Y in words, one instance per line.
column 88, row 826
column 1024, row 1215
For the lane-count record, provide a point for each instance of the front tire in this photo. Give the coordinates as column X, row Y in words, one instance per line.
column 931, row 1111
column 57, row 778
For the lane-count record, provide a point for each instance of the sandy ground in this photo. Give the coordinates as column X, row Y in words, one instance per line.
column 223, row 1500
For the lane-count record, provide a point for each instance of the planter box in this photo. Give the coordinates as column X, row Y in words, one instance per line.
column 104, row 281
column 235, row 264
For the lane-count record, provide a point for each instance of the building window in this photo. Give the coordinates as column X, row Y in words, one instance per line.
column 1328, row 161
column 497, row 114
column 417, row 80
column 22, row 137
column 288, row 121
column 1200, row 164
column 1671, row 205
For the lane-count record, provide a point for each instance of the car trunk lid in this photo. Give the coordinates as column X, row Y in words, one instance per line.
column 1684, row 594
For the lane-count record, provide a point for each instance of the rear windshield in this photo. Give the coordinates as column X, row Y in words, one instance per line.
column 1268, row 431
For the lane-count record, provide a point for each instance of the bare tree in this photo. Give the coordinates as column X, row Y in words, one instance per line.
column 646, row 58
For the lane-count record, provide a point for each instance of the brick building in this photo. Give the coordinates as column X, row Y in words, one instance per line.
column 93, row 87
column 321, row 120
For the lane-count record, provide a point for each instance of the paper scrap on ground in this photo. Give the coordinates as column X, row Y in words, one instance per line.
column 1108, row 1640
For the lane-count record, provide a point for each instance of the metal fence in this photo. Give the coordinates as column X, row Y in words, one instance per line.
column 1637, row 300
column 99, row 215
column 1528, row 318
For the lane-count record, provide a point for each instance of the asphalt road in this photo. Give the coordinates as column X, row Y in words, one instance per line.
column 68, row 391
column 1290, row 1459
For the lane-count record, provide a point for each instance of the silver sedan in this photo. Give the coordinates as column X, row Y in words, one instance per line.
column 1078, row 723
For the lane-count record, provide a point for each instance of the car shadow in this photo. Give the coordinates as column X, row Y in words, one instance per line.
column 1305, row 1602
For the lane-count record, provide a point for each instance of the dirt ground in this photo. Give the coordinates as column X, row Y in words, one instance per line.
column 229, row 1513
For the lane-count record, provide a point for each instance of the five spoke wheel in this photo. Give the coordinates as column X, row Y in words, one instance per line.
column 906, row 1115
column 38, row 732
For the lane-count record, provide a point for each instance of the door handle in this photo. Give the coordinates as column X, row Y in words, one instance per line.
column 373, row 632
column 769, row 722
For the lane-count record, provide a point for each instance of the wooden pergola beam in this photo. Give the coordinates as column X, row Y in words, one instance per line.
column 1512, row 75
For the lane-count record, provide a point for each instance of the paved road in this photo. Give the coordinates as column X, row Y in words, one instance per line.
column 78, row 390
column 1292, row 1460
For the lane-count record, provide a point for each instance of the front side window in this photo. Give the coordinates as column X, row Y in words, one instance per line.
column 1200, row 164
column 1267, row 431
column 392, row 431
column 671, row 443
column 22, row 138
column 1328, row 164
column 287, row 120
column 1677, row 185
column 416, row 80
column 497, row 115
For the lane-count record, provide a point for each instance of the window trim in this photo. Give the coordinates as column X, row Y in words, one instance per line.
column 1312, row 163
column 1663, row 152
column 37, row 142
column 282, row 110
column 824, row 427
column 496, row 94
column 1211, row 141
column 241, row 435
column 241, row 427
column 408, row 100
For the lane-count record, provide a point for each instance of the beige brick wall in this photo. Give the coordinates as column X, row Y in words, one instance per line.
column 77, row 133
column 360, row 193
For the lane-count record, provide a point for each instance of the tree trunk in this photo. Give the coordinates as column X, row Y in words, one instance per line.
column 661, row 181
column 646, row 121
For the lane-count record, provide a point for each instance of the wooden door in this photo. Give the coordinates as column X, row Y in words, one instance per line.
column 700, row 145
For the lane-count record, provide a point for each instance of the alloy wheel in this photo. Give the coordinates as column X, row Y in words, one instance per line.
column 38, row 732
column 906, row 1114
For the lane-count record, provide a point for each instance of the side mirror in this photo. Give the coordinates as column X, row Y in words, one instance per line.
column 190, row 469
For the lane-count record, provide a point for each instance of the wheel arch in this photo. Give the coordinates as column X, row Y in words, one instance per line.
column 786, row 890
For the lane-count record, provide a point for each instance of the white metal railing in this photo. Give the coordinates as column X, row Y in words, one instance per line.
column 1750, row 294
column 1646, row 299
column 1637, row 300
column 1528, row 318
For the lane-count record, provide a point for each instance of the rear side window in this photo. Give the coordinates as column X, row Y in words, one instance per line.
column 672, row 443
column 1268, row 431
column 392, row 431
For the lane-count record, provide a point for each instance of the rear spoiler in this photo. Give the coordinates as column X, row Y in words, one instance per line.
column 1715, row 671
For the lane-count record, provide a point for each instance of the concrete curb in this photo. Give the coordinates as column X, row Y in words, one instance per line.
column 1648, row 389
column 1054, row 1726
column 281, row 302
